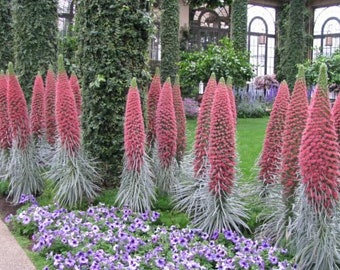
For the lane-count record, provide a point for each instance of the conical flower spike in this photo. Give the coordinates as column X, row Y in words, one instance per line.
column 229, row 84
column 270, row 160
column 319, row 154
column 295, row 124
column 134, row 133
column 37, row 108
column 17, row 110
column 5, row 135
column 203, row 128
column 153, row 97
column 222, row 151
column 50, row 119
column 68, row 125
column 181, row 121
column 166, row 128
column 76, row 91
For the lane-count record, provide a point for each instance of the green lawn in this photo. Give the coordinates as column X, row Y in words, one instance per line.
column 250, row 135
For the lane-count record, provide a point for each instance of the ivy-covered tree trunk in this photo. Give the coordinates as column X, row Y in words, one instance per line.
column 113, row 39
column 6, row 38
column 169, row 39
column 35, row 39
column 295, row 42
column 282, row 24
column 239, row 24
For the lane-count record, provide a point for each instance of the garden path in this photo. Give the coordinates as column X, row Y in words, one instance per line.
column 12, row 256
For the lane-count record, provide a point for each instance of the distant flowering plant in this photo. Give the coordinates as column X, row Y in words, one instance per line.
column 191, row 107
column 266, row 81
column 104, row 237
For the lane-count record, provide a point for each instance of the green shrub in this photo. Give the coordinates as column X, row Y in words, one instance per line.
column 333, row 68
column 251, row 109
column 6, row 37
column 222, row 59
column 169, row 39
column 113, row 39
column 35, row 39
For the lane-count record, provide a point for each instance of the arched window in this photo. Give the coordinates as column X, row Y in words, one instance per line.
column 66, row 11
column 326, row 30
column 208, row 26
column 261, row 38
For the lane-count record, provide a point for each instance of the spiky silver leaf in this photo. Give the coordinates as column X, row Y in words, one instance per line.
column 317, row 237
column 4, row 158
column 165, row 178
column 184, row 193
column 23, row 172
column 137, row 189
column 218, row 212
column 276, row 217
column 75, row 176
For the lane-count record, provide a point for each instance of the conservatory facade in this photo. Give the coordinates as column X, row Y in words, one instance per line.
column 202, row 26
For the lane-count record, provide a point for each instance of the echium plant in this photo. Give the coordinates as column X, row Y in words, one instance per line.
column 37, row 108
column 76, row 91
column 232, row 101
column 203, row 128
column 50, row 120
column 74, row 175
column 336, row 117
column 220, row 207
column 166, row 136
column 23, row 171
column 5, row 136
column 137, row 189
column 295, row 123
column 270, row 159
column 277, row 224
column 317, row 233
column 180, row 119
column 153, row 97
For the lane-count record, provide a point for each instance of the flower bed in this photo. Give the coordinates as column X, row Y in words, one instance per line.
column 105, row 237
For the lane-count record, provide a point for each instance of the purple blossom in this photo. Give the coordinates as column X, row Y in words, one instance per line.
column 112, row 238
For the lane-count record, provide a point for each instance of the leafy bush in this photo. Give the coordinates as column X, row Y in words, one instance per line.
column 117, row 33
column 35, row 39
column 252, row 108
column 191, row 108
column 222, row 59
column 333, row 70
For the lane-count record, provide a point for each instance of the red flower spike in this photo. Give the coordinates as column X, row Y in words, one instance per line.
column 180, row 119
column 336, row 116
column 295, row 123
column 153, row 97
column 134, row 133
column 76, row 91
column 222, row 151
column 50, row 119
column 271, row 154
column 5, row 134
column 37, row 107
column 203, row 127
column 232, row 99
column 17, row 110
column 319, row 156
column 68, row 125
column 166, row 128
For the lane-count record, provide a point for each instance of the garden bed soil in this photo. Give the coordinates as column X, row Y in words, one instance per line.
column 7, row 207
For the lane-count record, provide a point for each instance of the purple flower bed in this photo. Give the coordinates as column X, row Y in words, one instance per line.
column 111, row 238
column 191, row 107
